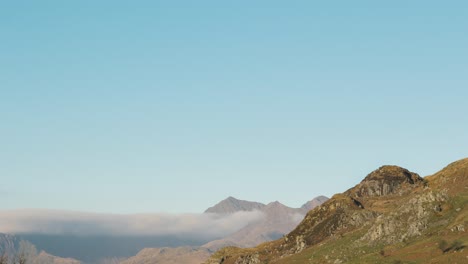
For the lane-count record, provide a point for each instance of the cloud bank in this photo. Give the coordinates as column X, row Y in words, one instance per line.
column 55, row 222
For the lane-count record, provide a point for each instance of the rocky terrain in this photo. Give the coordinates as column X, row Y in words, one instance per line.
column 392, row 216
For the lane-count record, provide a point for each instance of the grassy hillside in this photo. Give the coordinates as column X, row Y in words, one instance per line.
column 392, row 216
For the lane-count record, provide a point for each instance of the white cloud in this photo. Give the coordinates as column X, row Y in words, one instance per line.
column 79, row 223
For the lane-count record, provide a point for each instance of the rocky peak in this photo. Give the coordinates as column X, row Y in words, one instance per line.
column 393, row 173
column 275, row 204
column 232, row 205
column 387, row 180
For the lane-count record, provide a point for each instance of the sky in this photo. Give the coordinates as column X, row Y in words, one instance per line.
column 171, row 106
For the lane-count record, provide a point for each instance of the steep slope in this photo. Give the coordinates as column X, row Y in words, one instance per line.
column 232, row 205
column 393, row 215
column 186, row 255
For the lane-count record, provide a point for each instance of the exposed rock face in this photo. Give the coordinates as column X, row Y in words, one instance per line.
column 387, row 180
column 248, row 259
column 333, row 217
column 350, row 210
column 407, row 221
column 231, row 205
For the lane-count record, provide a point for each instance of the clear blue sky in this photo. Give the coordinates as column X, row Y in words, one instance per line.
column 145, row 106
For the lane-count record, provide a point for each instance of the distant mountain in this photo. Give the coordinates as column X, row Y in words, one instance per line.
column 45, row 258
column 278, row 221
column 185, row 255
column 314, row 203
column 8, row 244
column 12, row 246
column 392, row 216
column 93, row 249
column 232, row 205
column 270, row 222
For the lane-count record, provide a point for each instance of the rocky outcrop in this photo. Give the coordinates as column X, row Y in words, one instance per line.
column 408, row 220
column 338, row 215
column 387, row 180
column 248, row 259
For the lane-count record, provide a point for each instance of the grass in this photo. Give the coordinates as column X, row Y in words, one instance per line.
column 427, row 248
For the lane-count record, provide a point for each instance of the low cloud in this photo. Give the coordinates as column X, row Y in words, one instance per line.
column 297, row 218
column 54, row 222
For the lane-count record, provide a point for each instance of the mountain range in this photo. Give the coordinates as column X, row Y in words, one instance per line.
column 277, row 221
column 12, row 247
column 392, row 216
column 271, row 221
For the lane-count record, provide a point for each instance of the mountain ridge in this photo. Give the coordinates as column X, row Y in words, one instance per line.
column 279, row 219
column 378, row 220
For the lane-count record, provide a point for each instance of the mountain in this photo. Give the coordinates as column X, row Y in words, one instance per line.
column 278, row 220
column 12, row 246
column 231, row 205
column 96, row 248
column 313, row 203
column 8, row 244
column 392, row 216
column 45, row 258
column 186, row 255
